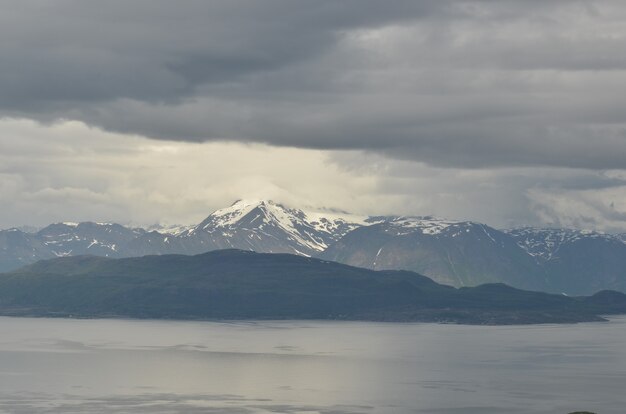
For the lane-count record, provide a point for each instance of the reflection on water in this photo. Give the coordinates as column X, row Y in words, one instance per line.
column 119, row 366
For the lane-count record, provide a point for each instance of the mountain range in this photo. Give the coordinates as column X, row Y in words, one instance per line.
column 262, row 226
column 237, row 284
column 457, row 253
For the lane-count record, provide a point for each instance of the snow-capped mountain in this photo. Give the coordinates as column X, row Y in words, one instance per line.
column 578, row 261
column 260, row 225
column 172, row 229
column 545, row 243
column 269, row 227
column 18, row 248
column 99, row 239
column 458, row 253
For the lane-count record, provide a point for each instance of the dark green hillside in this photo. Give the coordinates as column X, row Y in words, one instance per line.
column 234, row 284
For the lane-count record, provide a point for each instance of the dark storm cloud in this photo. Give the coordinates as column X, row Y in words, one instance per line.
column 450, row 83
column 160, row 51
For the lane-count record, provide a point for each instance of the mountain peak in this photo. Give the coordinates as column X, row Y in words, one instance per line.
column 244, row 203
column 236, row 212
column 266, row 225
column 427, row 225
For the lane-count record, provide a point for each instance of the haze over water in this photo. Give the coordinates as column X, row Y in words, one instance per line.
column 129, row 366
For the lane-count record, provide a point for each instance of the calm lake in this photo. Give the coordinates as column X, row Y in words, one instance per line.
column 128, row 366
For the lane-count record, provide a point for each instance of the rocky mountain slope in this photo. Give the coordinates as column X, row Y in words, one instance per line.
column 451, row 252
column 262, row 226
column 578, row 262
column 18, row 248
column 265, row 226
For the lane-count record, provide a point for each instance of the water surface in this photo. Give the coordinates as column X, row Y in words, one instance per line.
column 129, row 366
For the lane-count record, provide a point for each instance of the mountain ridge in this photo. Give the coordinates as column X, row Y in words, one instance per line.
column 451, row 252
column 236, row 284
column 460, row 253
column 278, row 229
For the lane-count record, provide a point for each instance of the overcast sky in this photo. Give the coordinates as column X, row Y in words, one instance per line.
column 506, row 112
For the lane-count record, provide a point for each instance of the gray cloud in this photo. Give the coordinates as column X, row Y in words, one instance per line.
column 470, row 84
column 507, row 112
column 69, row 172
column 73, row 52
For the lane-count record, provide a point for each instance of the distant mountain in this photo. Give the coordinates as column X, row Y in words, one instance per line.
column 235, row 284
column 577, row 262
column 173, row 229
column 100, row 239
column 262, row 226
column 268, row 227
column 18, row 248
column 545, row 243
column 457, row 253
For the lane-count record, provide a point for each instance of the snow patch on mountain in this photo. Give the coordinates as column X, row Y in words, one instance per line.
column 170, row 229
column 333, row 222
column 305, row 232
column 427, row 225
column 229, row 216
column 544, row 243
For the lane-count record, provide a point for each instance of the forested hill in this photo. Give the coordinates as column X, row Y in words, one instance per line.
column 235, row 284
